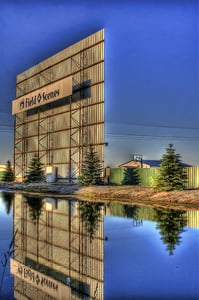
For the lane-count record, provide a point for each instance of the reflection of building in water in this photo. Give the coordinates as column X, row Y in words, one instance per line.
column 54, row 255
column 147, row 213
column 193, row 218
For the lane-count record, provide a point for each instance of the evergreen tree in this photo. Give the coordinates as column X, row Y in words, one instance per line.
column 171, row 175
column 8, row 174
column 91, row 169
column 131, row 176
column 35, row 171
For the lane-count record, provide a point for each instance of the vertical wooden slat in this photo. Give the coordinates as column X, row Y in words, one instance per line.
column 77, row 125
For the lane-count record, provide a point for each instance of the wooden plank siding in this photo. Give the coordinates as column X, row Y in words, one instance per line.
column 193, row 177
column 147, row 175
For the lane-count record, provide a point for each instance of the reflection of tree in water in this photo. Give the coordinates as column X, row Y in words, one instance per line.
column 8, row 200
column 90, row 215
column 171, row 224
column 131, row 211
column 35, row 204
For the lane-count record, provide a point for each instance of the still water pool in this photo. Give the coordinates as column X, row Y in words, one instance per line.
column 70, row 249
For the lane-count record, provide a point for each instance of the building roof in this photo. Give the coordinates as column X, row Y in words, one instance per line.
column 156, row 163
column 152, row 163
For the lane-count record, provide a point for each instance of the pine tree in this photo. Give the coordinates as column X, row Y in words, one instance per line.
column 131, row 176
column 91, row 169
column 8, row 174
column 35, row 171
column 171, row 175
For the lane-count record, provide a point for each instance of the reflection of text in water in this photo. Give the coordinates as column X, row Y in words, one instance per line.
column 39, row 280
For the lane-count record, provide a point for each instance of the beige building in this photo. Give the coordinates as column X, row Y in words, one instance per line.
column 59, row 110
column 143, row 163
column 134, row 164
column 193, row 218
column 2, row 168
column 56, row 256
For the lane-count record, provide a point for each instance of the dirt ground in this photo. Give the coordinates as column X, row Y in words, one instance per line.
column 129, row 194
column 141, row 194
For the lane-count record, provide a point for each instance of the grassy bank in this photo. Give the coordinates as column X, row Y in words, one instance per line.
column 114, row 193
column 141, row 194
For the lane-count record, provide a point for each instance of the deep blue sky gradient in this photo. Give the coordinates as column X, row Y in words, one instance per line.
column 151, row 68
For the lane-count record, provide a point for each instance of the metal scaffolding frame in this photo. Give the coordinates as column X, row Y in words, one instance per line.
column 38, row 131
column 45, row 140
column 81, row 121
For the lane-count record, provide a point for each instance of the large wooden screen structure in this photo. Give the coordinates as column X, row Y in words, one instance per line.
column 59, row 109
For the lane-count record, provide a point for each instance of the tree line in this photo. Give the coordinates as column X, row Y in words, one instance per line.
column 171, row 175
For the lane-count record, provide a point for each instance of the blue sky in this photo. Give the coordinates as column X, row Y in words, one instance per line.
column 151, row 68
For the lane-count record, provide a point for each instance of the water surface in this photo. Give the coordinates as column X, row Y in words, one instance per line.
column 96, row 251
column 6, row 234
column 146, row 261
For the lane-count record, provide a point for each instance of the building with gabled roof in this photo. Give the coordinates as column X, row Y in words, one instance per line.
column 153, row 163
